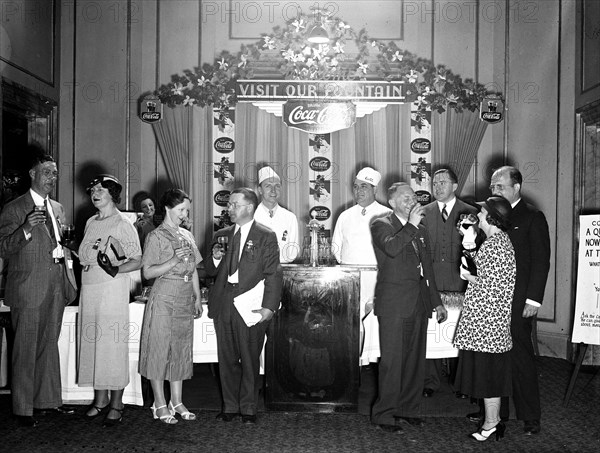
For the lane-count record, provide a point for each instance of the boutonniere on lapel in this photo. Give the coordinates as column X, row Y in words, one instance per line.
column 249, row 247
column 422, row 241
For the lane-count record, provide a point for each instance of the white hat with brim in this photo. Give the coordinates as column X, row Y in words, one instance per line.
column 369, row 175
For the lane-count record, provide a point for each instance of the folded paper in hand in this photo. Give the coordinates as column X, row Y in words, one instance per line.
column 248, row 301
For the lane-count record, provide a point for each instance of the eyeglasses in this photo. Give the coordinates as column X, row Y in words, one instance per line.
column 441, row 183
column 499, row 187
column 236, row 205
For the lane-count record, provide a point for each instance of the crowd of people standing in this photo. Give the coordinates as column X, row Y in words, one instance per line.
column 417, row 250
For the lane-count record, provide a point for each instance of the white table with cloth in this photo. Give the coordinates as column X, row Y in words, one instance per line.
column 439, row 336
column 204, row 351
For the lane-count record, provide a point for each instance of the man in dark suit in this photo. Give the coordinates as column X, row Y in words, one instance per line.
column 405, row 296
column 252, row 256
column 39, row 283
column 531, row 240
column 440, row 220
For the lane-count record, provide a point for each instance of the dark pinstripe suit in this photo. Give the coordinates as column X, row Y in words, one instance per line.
column 37, row 291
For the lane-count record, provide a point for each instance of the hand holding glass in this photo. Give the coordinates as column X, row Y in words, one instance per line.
column 223, row 241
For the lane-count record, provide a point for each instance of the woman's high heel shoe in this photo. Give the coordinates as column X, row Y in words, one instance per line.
column 483, row 434
column 186, row 415
column 169, row 419
column 99, row 411
column 110, row 422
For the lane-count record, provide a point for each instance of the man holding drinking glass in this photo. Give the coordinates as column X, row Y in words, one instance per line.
column 40, row 282
column 252, row 255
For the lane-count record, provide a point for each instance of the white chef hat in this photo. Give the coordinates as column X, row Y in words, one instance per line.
column 369, row 175
column 266, row 173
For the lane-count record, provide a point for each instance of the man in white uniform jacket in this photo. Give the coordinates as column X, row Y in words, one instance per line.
column 351, row 244
column 270, row 214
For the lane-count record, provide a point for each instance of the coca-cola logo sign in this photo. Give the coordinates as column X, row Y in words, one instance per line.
column 222, row 198
column 491, row 108
column 420, row 146
column 319, row 163
column 491, row 117
column 319, row 117
column 320, row 213
column 150, row 109
column 423, row 197
column 224, row 145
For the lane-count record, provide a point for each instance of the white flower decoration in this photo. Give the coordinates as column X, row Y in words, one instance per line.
column 363, row 67
column 374, row 43
column 338, row 48
column 397, row 56
column 178, row 89
column 412, row 76
column 334, row 62
column 243, row 61
column 288, row 54
column 189, row 101
column 307, row 50
column 342, row 26
column 202, row 81
column 269, row 43
column 298, row 25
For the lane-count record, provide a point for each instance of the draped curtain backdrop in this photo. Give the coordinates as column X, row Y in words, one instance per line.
column 379, row 140
column 184, row 139
column 456, row 140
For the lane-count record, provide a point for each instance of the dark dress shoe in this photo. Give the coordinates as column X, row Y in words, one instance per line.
column 226, row 416
column 428, row 393
column 394, row 429
column 26, row 420
column 532, row 427
column 249, row 419
column 110, row 422
column 411, row 420
column 54, row 410
column 475, row 417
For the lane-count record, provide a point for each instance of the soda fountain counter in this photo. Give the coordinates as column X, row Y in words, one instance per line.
column 312, row 361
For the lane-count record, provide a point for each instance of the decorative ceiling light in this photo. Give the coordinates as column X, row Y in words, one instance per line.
column 318, row 35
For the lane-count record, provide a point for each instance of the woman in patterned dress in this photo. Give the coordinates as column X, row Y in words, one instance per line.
column 109, row 250
column 483, row 331
column 170, row 257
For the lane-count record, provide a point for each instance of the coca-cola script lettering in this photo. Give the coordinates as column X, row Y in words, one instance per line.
column 222, row 198
column 319, row 164
column 319, row 117
column 224, row 145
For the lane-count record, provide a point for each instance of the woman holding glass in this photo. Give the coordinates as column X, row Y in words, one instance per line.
column 483, row 331
column 170, row 257
column 109, row 250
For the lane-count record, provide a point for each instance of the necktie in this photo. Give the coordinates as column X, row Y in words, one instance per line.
column 444, row 214
column 416, row 247
column 364, row 211
column 49, row 222
column 235, row 252
column 271, row 213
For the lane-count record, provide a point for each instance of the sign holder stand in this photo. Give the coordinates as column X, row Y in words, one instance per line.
column 581, row 350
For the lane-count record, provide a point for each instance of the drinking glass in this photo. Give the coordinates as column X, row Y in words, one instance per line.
column 223, row 241
column 68, row 232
